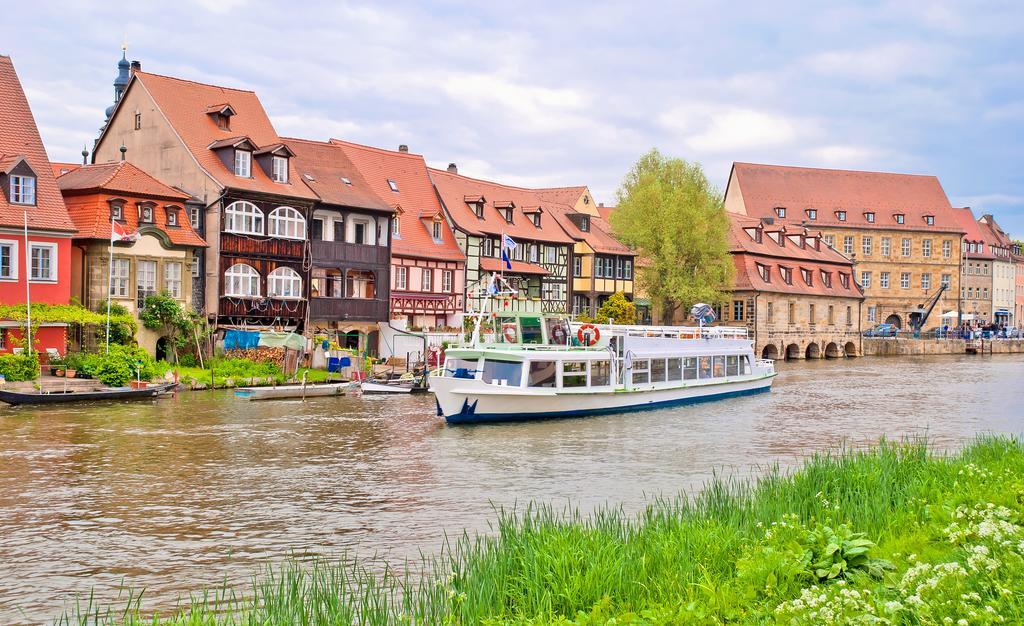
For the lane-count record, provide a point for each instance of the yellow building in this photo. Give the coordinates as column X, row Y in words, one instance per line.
column 898, row 229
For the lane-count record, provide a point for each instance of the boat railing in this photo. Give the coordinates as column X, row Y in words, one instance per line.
column 680, row 332
column 766, row 363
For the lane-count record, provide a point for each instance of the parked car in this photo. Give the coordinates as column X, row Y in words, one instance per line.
column 882, row 330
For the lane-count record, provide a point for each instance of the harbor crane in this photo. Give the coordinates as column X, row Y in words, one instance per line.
column 919, row 316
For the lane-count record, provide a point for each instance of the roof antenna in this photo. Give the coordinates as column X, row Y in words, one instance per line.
column 124, row 150
column 85, row 155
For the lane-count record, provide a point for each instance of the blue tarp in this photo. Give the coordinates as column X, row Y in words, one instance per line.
column 240, row 339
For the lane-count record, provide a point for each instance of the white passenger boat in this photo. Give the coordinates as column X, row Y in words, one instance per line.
column 535, row 367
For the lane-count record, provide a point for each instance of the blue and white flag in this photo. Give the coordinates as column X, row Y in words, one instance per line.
column 504, row 257
column 507, row 243
column 492, row 288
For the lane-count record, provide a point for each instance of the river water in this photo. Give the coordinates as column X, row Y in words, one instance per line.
column 187, row 492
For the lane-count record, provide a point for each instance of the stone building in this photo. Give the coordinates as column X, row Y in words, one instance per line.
column 899, row 230
column 1005, row 260
column 975, row 306
column 160, row 257
column 797, row 296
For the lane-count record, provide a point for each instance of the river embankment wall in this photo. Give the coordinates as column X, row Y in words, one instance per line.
column 878, row 346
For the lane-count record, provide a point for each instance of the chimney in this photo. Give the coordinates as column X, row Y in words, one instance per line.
column 452, row 169
column 403, row 148
column 136, row 67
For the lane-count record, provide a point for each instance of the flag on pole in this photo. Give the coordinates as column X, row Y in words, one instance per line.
column 118, row 233
column 507, row 246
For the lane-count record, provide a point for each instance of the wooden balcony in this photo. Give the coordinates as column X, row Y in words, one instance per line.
column 348, row 309
column 266, row 308
column 339, row 254
column 259, row 246
column 415, row 302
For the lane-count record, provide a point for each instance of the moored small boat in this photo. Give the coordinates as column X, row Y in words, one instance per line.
column 293, row 391
column 110, row 393
column 373, row 386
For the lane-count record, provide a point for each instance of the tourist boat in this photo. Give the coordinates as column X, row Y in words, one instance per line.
column 300, row 391
column 534, row 366
column 110, row 393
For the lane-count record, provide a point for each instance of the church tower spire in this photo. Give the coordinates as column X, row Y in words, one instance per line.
column 121, row 82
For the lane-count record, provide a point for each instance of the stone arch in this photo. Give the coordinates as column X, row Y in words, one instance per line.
column 895, row 320
column 164, row 351
column 770, row 351
column 833, row 351
column 850, row 349
column 792, row 351
column 813, row 351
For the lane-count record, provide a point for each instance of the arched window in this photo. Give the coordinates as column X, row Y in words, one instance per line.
column 242, row 281
column 288, row 223
column 284, row 282
column 243, row 217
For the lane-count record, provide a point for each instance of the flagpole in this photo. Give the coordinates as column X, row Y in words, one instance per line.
column 28, row 294
column 110, row 279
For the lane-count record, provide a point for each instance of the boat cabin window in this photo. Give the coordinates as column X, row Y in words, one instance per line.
column 531, row 330
column 719, row 366
column 675, row 369
column 502, row 372
column 600, row 373
column 704, row 364
column 657, row 370
column 574, row 374
column 744, row 365
column 732, row 365
column 542, row 374
column 462, row 368
column 690, row 368
column 558, row 331
column 641, row 369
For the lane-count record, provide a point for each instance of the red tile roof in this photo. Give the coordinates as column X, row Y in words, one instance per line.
column 994, row 235
column 973, row 233
column 797, row 189
column 562, row 195
column 87, row 188
column 186, row 103
column 122, row 177
column 59, row 169
column 19, row 137
column 454, row 190
column 748, row 254
column 322, row 166
column 415, row 198
column 597, row 237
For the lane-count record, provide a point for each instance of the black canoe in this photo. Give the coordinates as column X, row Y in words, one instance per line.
column 110, row 393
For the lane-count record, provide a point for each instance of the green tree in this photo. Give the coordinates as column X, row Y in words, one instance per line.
column 675, row 219
column 165, row 315
column 618, row 309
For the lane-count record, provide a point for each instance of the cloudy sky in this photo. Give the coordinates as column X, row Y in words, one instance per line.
column 542, row 93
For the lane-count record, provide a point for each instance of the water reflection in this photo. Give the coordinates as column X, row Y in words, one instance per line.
column 183, row 492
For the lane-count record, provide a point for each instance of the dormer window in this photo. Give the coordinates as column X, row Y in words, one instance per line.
column 787, row 275
column 807, row 276
column 221, row 115
column 844, row 280
column 870, row 217
column 841, row 216
column 146, row 213
column 812, row 214
column 929, row 219
column 243, row 163
column 172, row 215
column 479, row 209
column 507, row 214
column 899, row 218
column 535, row 218
column 396, row 227
column 280, row 169
column 393, row 185
column 826, row 278
column 117, row 210
column 780, row 211
column 23, row 190
column 437, row 230
column 765, row 272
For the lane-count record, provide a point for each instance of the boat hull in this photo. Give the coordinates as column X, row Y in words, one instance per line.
column 463, row 401
column 17, row 398
column 291, row 391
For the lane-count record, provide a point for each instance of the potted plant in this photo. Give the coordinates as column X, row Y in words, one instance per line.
column 70, row 373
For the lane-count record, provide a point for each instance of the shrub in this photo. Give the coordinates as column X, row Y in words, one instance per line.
column 115, row 369
column 17, row 367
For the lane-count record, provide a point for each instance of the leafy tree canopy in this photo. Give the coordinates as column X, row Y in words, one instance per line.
column 618, row 309
column 675, row 219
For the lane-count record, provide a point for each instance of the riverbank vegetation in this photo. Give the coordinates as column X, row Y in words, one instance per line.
column 893, row 535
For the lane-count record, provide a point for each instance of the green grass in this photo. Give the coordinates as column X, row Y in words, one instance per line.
column 944, row 542
column 241, row 372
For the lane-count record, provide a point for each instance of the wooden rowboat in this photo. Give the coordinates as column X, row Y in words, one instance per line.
column 292, row 391
column 15, row 398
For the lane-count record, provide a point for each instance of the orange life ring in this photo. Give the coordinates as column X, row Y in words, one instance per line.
column 586, row 338
column 509, row 330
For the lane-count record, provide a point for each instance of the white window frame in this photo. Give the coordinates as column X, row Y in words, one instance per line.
column 848, row 245
column 865, row 280
column 244, row 218
column 243, row 163
column 196, row 264
column 23, row 190
column 236, row 276
column 12, row 244
column 905, row 247
column 904, row 280
column 866, row 245
column 427, row 281
column 193, row 217
column 401, row 277
column 436, row 232
column 883, row 280
column 120, row 278
column 279, row 169
column 447, row 281
column 886, row 246
column 284, row 283
column 172, row 278
column 287, row 223
column 926, row 247
column 550, row 255
column 53, row 275
column 392, row 185
column 148, row 289
column 926, row 281
column 396, row 228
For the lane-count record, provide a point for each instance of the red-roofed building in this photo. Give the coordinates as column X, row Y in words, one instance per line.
column 976, row 270
column 1005, row 260
column 162, row 257
column 898, row 229
column 797, row 295
column 482, row 213
column 35, row 229
column 218, row 145
column 428, row 269
column 350, row 244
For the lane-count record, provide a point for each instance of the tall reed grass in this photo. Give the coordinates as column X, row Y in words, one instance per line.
column 674, row 562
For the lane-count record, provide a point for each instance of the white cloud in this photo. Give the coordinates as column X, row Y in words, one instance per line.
column 712, row 128
column 882, row 63
column 844, row 156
